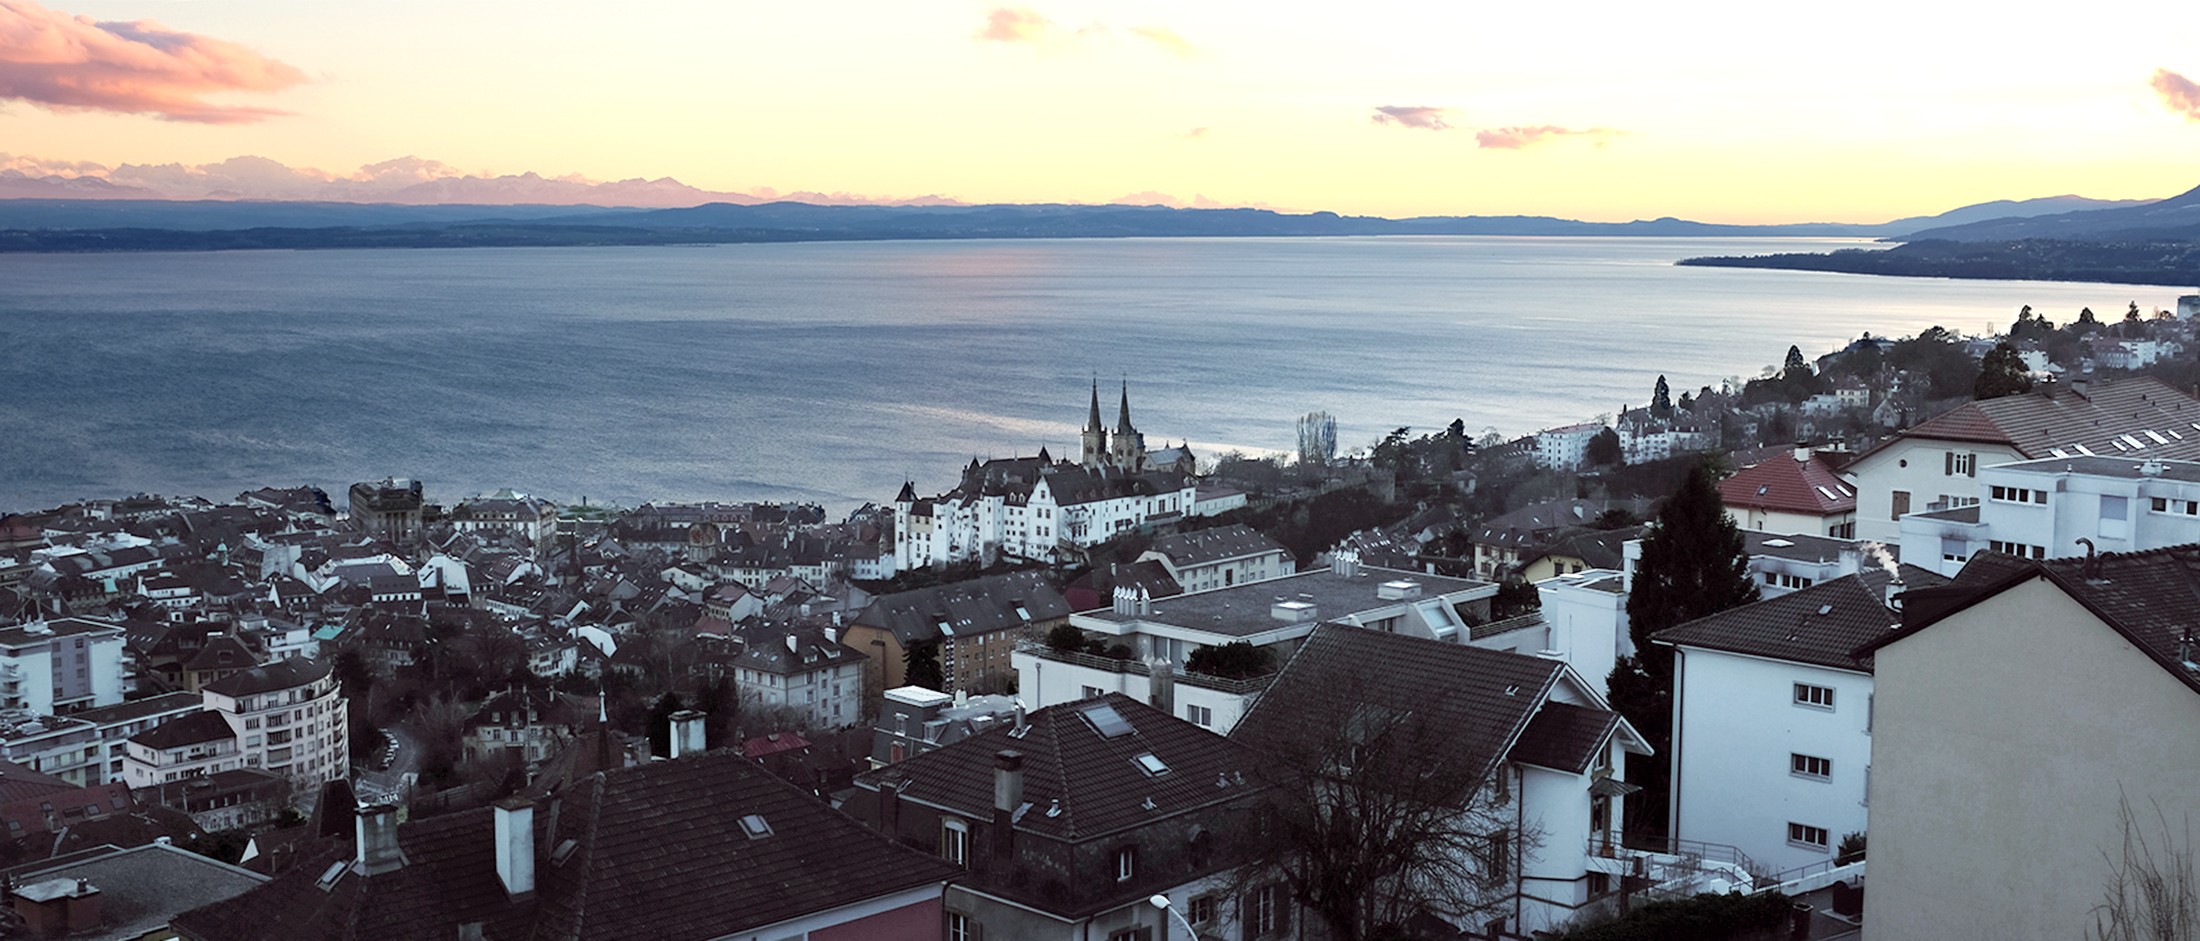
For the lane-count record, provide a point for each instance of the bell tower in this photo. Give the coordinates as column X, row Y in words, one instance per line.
column 1129, row 453
column 1096, row 437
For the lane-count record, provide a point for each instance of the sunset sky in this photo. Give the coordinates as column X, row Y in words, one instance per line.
column 1729, row 111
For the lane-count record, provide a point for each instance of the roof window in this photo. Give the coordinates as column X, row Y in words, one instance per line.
column 754, row 827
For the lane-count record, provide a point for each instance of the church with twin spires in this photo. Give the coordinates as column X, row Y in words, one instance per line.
column 1043, row 509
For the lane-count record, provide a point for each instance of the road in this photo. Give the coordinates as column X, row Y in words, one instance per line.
column 388, row 783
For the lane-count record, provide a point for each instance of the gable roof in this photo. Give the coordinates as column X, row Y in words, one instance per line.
column 194, row 729
column 978, row 606
column 1784, row 484
column 1483, row 699
column 1081, row 783
column 2108, row 417
column 657, row 851
column 1822, row 625
column 1565, row 737
column 1203, row 546
column 282, row 674
column 2152, row 598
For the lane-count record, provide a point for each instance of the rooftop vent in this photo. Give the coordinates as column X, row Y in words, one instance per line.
column 1293, row 612
column 1403, row 589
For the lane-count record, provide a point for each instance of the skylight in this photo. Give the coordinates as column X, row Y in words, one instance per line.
column 1108, row 722
column 754, row 826
column 1152, row 764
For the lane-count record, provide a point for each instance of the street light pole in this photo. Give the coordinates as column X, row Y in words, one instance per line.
column 1162, row 902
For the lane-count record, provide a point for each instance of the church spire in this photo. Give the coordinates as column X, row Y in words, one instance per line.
column 1123, row 419
column 1093, row 423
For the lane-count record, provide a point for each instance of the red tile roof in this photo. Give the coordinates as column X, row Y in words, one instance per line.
column 1786, row 485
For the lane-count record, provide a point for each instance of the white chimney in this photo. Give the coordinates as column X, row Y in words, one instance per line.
column 793, row 645
column 1802, row 454
column 687, row 736
column 1894, row 594
column 376, row 850
column 515, row 835
column 832, row 634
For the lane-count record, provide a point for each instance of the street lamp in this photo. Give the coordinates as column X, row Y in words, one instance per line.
column 1162, row 902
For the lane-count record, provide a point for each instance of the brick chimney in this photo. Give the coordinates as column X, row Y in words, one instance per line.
column 376, row 850
column 515, row 836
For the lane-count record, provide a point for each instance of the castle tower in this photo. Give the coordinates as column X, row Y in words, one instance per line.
column 1129, row 451
column 1096, row 437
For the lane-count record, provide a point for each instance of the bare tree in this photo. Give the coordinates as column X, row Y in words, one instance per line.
column 2152, row 894
column 1379, row 820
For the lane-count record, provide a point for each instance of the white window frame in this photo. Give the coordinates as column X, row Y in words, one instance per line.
column 1807, row 696
column 955, row 842
column 1802, row 834
column 1811, row 767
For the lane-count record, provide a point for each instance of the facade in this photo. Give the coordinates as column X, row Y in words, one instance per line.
column 808, row 670
column 975, row 624
column 289, row 718
column 62, row 665
column 388, row 509
column 194, row 746
column 1565, row 448
column 1935, row 465
column 523, row 726
column 1168, row 631
column 1219, row 557
column 914, row 720
column 532, row 519
column 2026, row 714
column 2053, row 507
column 1066, row 825
column 1805, row 495
column 1772, row 718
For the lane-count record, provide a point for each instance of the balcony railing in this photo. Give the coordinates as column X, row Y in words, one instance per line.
column 1139, row 668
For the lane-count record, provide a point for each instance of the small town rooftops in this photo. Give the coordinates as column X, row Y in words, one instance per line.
column 1203, row 546
column 198, row 728
column 978, row 606
column 1243, row 610
column 1805, row 483
column 282, row 674
column 2132, row 416
column 1822, row 625
column 40, row 632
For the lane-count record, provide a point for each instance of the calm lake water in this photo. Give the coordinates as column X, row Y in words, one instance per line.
column 833, row 371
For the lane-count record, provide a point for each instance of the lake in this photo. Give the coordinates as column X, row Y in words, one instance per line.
column 834, row 371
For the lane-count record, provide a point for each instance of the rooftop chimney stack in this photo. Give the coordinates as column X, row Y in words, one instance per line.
column 1008, row 779
column 687, row 733
column 1802, row 454
column 1894, row 595
column 376, row 850
column 515, row 835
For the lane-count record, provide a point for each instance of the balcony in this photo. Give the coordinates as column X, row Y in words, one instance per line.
column 1139, row 668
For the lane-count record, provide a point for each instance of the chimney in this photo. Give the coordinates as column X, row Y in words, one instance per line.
column 1008, row 794
column 515, row 834
column 1161, row 685
column 1894, row 594
column 687, row 737
column 1802, row 453
column 832, row 634
column 889, row 807
column 793, row 645
column 376, row 850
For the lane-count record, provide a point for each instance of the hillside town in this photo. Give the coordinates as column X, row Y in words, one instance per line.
column 1566, row 679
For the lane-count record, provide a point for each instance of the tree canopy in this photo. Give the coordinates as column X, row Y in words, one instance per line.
column 1604, row 449
column 2002, row 373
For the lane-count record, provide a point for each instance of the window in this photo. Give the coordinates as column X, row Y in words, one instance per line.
column 1792, row 581
column 1954, row 549
column 1901, row 504
column 1126, row 864
column 1201, row 716
column 1091, row 692
column 955, row 842
column 960, row 927
column 1264, row 913
column 1961, row 465
column 2176, row 507
column 1803, row 834
column 1811, row 766
column 2115, row 516
column 2018, row 549
column 1497, row 863
column 1820, row 697
column 1202, row 910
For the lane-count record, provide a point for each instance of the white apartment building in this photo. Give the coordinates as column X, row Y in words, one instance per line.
column 2041, row 509
column 1772, row 719
column 289, row 719
column 1565, row 447
column 1935, row 466
column 61, row 665
column 807, row 670
column 196, row 745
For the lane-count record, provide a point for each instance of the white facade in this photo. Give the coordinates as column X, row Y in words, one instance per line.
column 1565, row 448
column 963, row 528
column 1638, row 446
column 830, row 696
column 2040, row 509
column 61, row 665
column 1747, row 754
column 297, row 730
column 146, row 766
column 1913, row 475
column 1586, row 615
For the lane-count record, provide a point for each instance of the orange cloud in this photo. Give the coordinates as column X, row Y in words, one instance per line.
column 1515, row 138
column 2178, row 92
column 1167, row 39
column 70, row 63
column 1420, row 116
column 1014, row 24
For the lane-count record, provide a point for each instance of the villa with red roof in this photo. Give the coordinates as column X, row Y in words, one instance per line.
column 1800, row 495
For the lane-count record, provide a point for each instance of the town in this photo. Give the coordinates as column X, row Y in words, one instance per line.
column 1618, row 670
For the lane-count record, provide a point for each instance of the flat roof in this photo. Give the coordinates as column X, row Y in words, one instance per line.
column 918, row 696
column 1243, row 610
column 2097, row 466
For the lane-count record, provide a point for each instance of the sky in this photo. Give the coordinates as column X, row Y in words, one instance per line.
column 1717, row 111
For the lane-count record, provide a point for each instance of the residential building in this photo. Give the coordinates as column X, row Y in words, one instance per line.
column 914, row 720
column 224, row 800
column 524, row 726
column 1067, row 824
column 532, row 519
column 65, row 747
column 288, row 717
column 1772, row 718
column 2033, row 720
column 115, row 894
column 1566, row 447
column 703, row 846
column 1935, row 465
column 1790, row 562
column 1273, row 616
column 975, row 624
column 388, row 509
column 1219, row 557
column 1583, row 621
column 1805, row 495
column 61, row 665
column 196, row 745
column 1576, row 552
column 1526, row 728
column 1503, row 542
column 2054, row 506
column 805, row 669
column 114, row 725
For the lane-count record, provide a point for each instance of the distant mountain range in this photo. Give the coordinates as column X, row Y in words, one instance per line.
column 112, row 224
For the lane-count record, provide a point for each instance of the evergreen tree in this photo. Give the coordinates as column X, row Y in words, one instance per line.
column 1687, row 403
column 922, row 663
column 1796, row 364
column 1604, row 449
column 2001, row 373
column 1661, row 400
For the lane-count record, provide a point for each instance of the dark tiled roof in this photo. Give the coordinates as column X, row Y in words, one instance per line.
column 978, row 606
column 135, row 709
column 767, row 651
column 282, row 674
column 1097, row 779
column 1822, row 625
column 1597, row 549
column 192, row 729
column 141, row 888
column 1481, row 699
column 2152, row 598
column 1565, row 737
column 18, row 782
column 1203, row 546
column 658, row 852
column 1786, row 485
column 2058, row 416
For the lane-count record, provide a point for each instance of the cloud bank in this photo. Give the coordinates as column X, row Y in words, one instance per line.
column 1515, row 138
column 2178, row 92
column 73, row 63
column 1014, row 24
column 1425, row 117
column 1025, row 25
